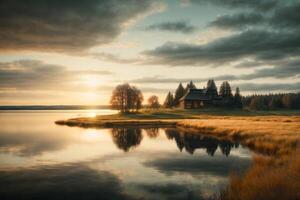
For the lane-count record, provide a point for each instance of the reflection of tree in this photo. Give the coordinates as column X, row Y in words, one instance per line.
column 174, row 134
column 226, row 146
column 125, row 138
column 191, row 142
column 152, row 132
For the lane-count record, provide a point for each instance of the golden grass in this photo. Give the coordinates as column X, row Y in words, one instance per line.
column 265, row 134
column 268, row 178
column 271, row 135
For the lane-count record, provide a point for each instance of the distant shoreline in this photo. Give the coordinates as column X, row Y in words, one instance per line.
column 54, row 107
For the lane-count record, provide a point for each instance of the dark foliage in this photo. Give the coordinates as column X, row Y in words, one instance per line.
column 169, row 101
column 272, row 101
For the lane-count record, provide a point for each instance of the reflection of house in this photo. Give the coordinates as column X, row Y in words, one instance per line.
column 191, row 142
column 198, row 98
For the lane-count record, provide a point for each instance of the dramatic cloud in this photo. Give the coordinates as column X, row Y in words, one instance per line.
column 289, row 70
column 238, row 21
column 159, row 79
column 68, row 25
column 252, row 4
column 115, row 58
column 34, row 74
column 257, row 44
column 267, row 34
column 285, row 17
column 179, row 26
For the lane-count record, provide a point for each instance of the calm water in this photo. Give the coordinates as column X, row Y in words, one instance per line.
column 41, row 160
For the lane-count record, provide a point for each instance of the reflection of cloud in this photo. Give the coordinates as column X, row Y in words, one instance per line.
column 30, row 144
column 171, row 191
column 74, row 181
column 218, row 165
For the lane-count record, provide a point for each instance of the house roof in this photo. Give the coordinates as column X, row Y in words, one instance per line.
column 195, row 94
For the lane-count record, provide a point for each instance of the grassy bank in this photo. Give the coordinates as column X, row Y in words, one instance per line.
column 271, row 132
column 275, row 133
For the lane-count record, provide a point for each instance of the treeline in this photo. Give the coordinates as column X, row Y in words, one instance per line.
column 229, row 99
column 272, row 101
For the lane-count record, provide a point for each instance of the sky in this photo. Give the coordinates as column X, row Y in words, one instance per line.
column 55, row 52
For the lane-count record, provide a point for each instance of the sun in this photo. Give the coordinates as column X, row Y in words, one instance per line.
column 92, row 81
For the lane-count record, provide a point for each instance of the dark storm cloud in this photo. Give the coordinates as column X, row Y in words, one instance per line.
column 238, row 21
column 71, row 181
column 252, row 4
column 265, row 31
column 35, row 74
column 179, row 26
column 257, row 44
column 285, row 17
column 55, row 25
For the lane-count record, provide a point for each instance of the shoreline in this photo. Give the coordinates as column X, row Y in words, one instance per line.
column 272, row 135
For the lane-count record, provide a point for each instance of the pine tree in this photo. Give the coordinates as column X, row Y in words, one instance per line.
column 238, row 98
column 169, row 101
column 178, row 94
column 211, row 88
column 225, row 90
column 189, row 86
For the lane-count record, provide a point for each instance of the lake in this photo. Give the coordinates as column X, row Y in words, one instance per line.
column 42, row 160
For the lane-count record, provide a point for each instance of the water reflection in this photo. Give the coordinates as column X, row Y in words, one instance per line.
column 127, row 138
column 40, row 160
column 74, row 181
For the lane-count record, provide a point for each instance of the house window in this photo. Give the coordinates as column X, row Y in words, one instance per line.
column 188, row 105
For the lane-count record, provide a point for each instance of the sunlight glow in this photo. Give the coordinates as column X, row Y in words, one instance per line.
column 91, row 135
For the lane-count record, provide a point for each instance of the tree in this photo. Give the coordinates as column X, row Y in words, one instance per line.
column 153, row 102
column 238, row 98
column 258, row 103
column 169, row 101
column 126, row 98
column 288, row 101
column 189, row 86
column 211, row 88
column 180, row 92
column 275, row 102
column 225, row 90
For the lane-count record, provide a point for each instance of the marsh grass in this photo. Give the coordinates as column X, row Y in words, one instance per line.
column 269, row 178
